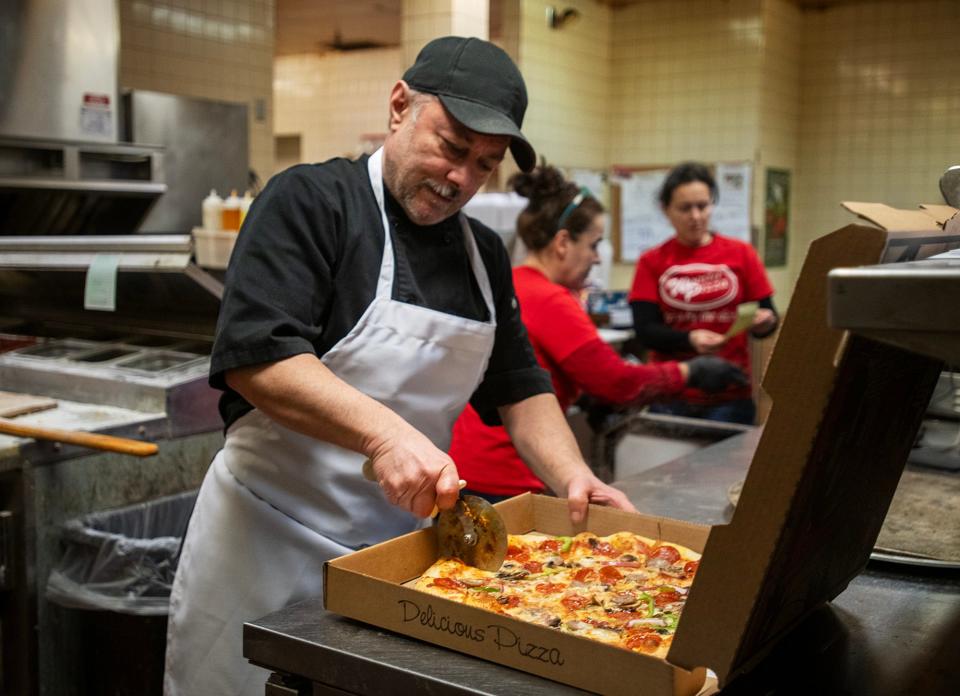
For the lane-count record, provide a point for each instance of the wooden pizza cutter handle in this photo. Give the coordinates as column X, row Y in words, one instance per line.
column 108, row 443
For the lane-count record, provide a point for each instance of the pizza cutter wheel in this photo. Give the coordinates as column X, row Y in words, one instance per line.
column 473, row 531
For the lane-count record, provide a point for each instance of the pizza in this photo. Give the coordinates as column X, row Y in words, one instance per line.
column 624, row 589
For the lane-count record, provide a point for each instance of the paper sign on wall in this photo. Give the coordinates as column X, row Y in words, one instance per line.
column 642, row 223
column 100, row 288
column 731, row 216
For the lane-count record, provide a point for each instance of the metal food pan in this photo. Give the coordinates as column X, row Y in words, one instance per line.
column 147, row 341
column 55, row 350
column 156, row 361
column 104, row 354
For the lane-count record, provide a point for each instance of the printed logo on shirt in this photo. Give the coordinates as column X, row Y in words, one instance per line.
column 696, row 287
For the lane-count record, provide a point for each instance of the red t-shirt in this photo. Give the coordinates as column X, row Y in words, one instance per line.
column 558, row 329
column 700, row 288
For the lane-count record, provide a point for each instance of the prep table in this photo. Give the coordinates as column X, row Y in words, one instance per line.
column 893, row 631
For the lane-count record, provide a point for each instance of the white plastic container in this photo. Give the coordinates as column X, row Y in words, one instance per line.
column 245, row 204
column 230, row 215
column 213, row 248
column 212, row 207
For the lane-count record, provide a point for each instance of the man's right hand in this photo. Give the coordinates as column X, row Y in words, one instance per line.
column 713, row 374
column 415, row 475
column 704, row 341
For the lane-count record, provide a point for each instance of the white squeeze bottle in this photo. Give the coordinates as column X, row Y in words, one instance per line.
column 212, row 207
column 231, row 212
column 245, row 204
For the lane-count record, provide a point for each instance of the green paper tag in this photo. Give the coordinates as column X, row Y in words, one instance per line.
column 744, row 320
column 100, row 291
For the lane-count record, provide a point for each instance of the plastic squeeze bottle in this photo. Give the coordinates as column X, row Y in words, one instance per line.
column 212, row 206
column 231, row 212
column 245, row 204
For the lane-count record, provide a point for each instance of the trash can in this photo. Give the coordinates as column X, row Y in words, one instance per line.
column 116, row 573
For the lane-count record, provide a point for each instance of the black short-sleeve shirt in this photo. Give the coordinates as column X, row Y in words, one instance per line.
column 305, row 268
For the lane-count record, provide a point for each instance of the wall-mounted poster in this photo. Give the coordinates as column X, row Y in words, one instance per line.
column 776, row 212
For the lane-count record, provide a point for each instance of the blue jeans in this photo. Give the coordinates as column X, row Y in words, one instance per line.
column 739, row 411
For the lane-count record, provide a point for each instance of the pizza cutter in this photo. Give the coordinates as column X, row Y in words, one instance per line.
column 472, row 530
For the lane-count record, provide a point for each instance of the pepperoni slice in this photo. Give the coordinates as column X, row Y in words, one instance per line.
column 447, row 583
column 533, row 566
column 551, row 545
column 623, row 615
column 550, row 587
column 585, row 575
column 609, row 574
column 690, row 567
column 665, row 597
column 643, row 641
column 667, row 553
column 605, row 548
column 518, row 553
column 574, row 602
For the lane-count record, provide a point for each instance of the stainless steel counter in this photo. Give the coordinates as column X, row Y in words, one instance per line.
column 894, row 630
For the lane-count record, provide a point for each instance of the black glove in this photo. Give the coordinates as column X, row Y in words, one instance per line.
column 713, row 374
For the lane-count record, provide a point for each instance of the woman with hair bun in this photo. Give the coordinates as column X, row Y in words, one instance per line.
column 562, row 226
column 686, row 291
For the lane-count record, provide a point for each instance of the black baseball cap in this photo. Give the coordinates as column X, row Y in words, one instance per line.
column 479, row 85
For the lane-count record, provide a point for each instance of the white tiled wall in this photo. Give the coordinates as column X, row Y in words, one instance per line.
column 686, row 80
column 215, row 49
column 686, row 83
column 568, row 76
column 880, row 116
column 333, row 99
column 779, row 120
column 424, row 20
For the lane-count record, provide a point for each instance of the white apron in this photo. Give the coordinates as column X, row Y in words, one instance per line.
column 276, row 504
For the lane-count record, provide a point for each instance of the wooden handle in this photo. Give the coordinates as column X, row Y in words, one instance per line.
column 96, row 441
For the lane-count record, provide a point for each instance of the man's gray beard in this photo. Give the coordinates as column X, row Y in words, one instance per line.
column 406, row 198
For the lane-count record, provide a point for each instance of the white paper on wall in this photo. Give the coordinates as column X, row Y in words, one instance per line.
column 731, row 217
column 593, row 180
column 642, row 223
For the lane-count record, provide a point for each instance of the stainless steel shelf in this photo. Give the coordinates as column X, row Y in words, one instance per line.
column 914, row 305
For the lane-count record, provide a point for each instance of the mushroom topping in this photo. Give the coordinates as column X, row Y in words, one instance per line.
column 473, row 582
column 625, row 599
column 658, row 563
column 515, row 574
column 633, row 623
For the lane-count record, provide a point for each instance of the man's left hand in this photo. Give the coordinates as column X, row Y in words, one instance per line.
column 586, row 488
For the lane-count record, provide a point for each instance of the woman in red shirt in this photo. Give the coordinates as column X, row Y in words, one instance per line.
column 562, row 226
column 686, row 291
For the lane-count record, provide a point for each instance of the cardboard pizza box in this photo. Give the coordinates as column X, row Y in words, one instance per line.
column 845, row 412
column 911, row 234
column 369, row 585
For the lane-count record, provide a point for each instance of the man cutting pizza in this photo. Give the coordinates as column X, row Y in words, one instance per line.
column 362, row 312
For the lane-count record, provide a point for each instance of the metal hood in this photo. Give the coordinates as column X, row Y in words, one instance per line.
column 58, row 69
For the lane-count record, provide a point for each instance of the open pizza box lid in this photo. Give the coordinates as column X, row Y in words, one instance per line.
column 912, row 233
column 824, row 473
column 845, row 413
